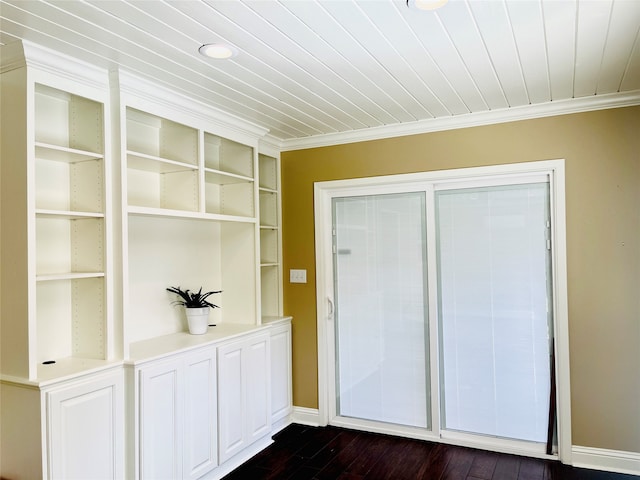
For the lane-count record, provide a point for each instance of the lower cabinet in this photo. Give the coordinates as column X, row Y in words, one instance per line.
column 86, row 429
column 281, row 396
column 66, row 430
column 194, row 414
column 244, row 393
column 187, row 413
column 177, row 416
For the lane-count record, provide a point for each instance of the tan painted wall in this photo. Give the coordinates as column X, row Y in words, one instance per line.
column 602, row 153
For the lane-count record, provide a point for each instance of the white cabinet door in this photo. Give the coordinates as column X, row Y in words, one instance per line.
column 231, row 401
column 281, row 398
column 178, row 416
column 200, row 414
column 258, row 387
column 86, row 429
column 161, row 407
column 244, row 395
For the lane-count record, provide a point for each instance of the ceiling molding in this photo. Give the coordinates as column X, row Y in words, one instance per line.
column 21, row 54
column 549, row 109
column 153, row 93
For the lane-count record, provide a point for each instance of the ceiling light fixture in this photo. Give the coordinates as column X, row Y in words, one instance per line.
column 428, row 4
column 220, row 51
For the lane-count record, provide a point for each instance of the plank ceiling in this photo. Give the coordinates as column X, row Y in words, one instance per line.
column 317, row 68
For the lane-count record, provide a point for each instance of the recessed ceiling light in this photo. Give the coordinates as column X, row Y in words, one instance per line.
column 218, row 50
column 428, row 4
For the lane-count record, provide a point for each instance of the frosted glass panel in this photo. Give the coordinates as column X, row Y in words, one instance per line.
column 494, row 319
column 380, row 296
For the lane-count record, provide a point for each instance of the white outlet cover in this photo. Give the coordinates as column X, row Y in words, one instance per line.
column 297, row 276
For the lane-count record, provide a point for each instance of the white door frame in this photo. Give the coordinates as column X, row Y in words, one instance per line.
column 324, row 192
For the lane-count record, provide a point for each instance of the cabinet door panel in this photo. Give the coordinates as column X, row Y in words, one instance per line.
column 200, row 436
column 160, row 424
column 230, row 401
column 85, row 430
column 258, row 388
column 280, row 373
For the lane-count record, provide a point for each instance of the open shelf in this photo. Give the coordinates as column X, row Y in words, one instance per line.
column 268, row 209
column 161, row 138
column 270, row 249
column 214, row 255
column 159, row 183
column 69, row 245
column 68, row 185
column 268, row 172
column 219, row 177
column 213, row 217
column 154, row 164
column 270, row 290
column 68, row 121
column 227, row 156
column 69, row 367
column 71, row 318
column 268, row 246
column 56, row 153
column 229, row 199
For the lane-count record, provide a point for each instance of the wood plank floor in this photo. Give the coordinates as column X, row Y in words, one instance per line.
column 309, row 453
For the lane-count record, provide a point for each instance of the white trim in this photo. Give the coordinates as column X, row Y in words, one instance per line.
column 306, row 416
column 512, row 114
column 208, row 117
column 608, row 460
column 269, row 145
column 238, row 459
column 561, row 310
column 324, row 192
column 24, row 53
column 496, row 444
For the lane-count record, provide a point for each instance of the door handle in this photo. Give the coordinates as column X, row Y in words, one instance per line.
column 330, row 302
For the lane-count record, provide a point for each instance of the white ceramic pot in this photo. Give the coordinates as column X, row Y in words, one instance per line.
column 197, row 319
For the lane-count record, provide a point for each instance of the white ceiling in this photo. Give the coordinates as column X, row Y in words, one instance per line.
column 312, row 70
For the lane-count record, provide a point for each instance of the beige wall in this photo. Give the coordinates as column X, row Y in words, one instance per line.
column 602, row 153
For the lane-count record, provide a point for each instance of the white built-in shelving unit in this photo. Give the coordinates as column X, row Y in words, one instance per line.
column 270, row 236
column 70, row 244
column 113, row 189
column 191, row 205
column 57, row 318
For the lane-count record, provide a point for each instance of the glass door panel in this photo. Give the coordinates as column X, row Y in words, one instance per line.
column 494, row 308
column 381, row 343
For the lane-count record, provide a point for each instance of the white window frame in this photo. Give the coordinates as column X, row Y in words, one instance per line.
column 324, row 192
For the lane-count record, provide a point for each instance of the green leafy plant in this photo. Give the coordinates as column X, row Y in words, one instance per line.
column 191, row 299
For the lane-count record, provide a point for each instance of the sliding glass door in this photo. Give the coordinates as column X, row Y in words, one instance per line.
column 442, row 309
column 494, row 310
column 380, row 298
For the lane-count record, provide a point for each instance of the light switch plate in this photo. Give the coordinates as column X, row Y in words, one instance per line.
column 297, row 276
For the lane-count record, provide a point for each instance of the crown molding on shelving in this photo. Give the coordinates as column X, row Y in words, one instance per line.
column 226, row 124
column 269, row 145
column 21, row 54
column 549, row 109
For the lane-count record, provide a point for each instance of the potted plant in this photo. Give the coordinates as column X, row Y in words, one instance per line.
column 196, row 308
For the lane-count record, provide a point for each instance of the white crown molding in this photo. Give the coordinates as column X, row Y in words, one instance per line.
column 130, row 84
column 21, row 54
column 549, row 109
column 607, row 460
column 270, row 145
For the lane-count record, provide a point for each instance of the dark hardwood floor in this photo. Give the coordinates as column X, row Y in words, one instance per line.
column 309, row 453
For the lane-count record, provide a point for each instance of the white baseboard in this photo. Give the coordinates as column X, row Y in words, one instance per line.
column 306, row 416
column 609, row 460
column 237, row 460
column 583, row 457
column 280, row 424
